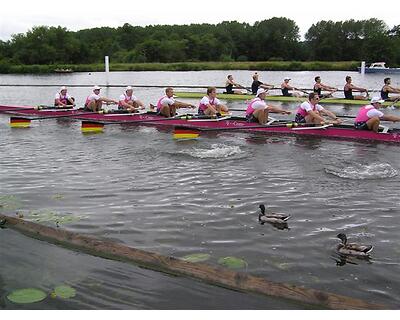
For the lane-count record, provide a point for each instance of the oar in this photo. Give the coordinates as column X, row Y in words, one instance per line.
column 39, row 107
column 393, row 105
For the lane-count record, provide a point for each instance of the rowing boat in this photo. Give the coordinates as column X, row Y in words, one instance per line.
column 33, row 111
column 228, row 124
column 195, row 95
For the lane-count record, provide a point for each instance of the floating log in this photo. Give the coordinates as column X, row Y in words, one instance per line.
column 218, row 276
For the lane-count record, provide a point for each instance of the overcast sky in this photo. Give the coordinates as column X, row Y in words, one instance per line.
column 18, row 16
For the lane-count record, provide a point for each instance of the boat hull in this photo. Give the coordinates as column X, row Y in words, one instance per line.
column 381, row 70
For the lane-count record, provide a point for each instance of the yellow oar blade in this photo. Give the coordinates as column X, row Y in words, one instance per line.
column 180, row 133
column 17, row 122
column 91, row 127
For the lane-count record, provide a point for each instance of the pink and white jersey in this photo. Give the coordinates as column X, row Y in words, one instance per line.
column 125, row 98
column 254, row 105
column 62, row 98
column 367, row 112
column 164, row 101
column 92, row 97
column 306, row 107
column 205, row 101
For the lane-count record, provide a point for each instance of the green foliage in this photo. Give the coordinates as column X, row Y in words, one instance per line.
column 29, row 295
column 196, row 257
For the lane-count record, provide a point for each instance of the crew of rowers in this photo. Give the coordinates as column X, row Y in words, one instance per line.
column 309, row 112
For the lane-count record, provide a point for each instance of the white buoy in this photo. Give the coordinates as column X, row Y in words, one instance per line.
column 107, row 68
column 362, row 67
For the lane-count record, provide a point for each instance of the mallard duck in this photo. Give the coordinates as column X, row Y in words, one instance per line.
column 274, row 218
column 352, row 249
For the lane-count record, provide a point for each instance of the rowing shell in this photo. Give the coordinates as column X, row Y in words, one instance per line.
column 279, row 98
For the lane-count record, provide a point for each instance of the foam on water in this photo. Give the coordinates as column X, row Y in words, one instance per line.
column 216, row 151
column 363, row 172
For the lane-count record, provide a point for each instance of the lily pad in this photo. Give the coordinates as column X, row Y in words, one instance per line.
column 196, row 257
column 64, row 292
column 29, row 295
column 51, row 216
column 58, row 196
column 10, row 202
column 232, row 262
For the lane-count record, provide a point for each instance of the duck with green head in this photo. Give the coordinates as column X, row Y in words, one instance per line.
column 352, row 249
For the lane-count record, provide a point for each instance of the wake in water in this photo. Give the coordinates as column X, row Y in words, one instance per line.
column 363, row 172
column 215, row 151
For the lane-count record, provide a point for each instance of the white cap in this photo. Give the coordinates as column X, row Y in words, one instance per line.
column 63, row 88
column 128, row 88
column 286, row 78
column 260, row 91
column 377, row 100
column 96, row 88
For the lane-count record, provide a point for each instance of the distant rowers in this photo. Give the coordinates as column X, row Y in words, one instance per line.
column 310, row 111
column 94, row 102
column 286, row 87
column 369, row 117
column 167, row 105
column 63, row 99
column 210, row 104
column 387, row 88
column 348, row 91
column 319, row 86
column 127, row 101
column 258, row 84
column 230, row 83
column 257, row 109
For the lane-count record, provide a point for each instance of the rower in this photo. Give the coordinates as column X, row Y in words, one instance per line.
column 210, row 104
column 319, row 86
column 369, row 117
column 63, row 99
column 229, row 84
column 387, row 88
column 348, row 91
column 127, row 101
column 310, row 111
column 167, row 105
column 94, row 102
column 285, row 87
column 257, row 109
column 258, row 84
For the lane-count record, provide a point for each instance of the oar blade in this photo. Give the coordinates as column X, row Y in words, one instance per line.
column 91, row 127
column 19, row 122
column 185, row 134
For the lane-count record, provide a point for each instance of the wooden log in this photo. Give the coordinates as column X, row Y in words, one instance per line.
column 213, row 275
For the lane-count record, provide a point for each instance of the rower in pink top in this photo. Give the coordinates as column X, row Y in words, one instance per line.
column 167, row 105
column 94, row 101
column 257, row 109
column 127, row 101
column 210, row 104
column 369, row 117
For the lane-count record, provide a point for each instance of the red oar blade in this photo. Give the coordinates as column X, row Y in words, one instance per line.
column 91, row 127
column 19, row 122
column 184, row 133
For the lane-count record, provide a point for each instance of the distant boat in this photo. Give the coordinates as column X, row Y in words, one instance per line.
column 379, row 67
column 63, row 70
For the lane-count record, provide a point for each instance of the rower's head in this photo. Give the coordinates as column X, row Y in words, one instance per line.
column 261, row 93
column 286, row 79
column 169, row 92
column 387, row 81
column 230, row 77
column 129, row 91
column 313, row 97
column 63, row 90
column 348, row 79
column 96, row 89
column 317, row 79
column 212, row 92
column 255, row 76
column 377, row 102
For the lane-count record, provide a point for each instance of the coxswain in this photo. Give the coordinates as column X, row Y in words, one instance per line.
column 319, row 86
column 230, row 83
column 286, row 87
column 127, row 101
column 386, row 89
column 348, row 91
column 310, row 112
column 258, row 110
column 210, row 104
column 94, row 101
column 167, row 105
column 369, row 117
column 258, row 84
column 63, row 99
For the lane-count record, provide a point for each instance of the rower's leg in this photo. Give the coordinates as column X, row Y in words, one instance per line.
column 260, row 116
column 165, row 111
column 373, row 124
column 172, row 110
column 92, row 106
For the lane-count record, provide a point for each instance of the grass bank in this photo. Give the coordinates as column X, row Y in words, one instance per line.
column 188, row 66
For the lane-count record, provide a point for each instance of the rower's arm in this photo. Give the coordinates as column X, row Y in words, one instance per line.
column 107, row 100
column 179, row 104
column 393, row 90
column 316, row 116
column 390, row 117
column 274, row 109
column 358, row 89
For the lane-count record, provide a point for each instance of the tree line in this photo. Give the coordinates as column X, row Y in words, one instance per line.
column 274, row 39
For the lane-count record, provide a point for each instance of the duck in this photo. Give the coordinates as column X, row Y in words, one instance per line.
column 352, row 249
column 274, row 218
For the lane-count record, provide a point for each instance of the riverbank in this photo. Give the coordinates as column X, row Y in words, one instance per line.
column 186, row 66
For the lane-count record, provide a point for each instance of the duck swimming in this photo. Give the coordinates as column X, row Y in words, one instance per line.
column 274, row 218
column 352, row 249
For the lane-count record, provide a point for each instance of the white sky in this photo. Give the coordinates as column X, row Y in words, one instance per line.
column 21, row 15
